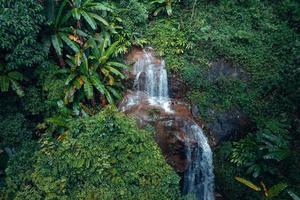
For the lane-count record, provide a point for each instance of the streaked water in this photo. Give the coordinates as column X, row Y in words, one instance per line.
column 151, row 85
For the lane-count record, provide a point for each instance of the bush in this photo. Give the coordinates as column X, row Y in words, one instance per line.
column 99, row 157
column 13, row 130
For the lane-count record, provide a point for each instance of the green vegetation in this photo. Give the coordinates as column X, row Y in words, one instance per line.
column 99, row 157
column 61, row 66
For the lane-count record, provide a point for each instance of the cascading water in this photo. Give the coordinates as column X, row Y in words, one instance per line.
column 199, row 177
column 151, row 88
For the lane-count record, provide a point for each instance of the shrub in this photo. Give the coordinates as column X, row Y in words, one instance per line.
column 99, row 157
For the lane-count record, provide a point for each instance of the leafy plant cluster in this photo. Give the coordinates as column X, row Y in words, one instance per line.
column 101, row 157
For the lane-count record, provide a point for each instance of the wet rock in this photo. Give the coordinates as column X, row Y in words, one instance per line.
column 177, row 87
column 228, row 124
column 133, row 55
column 170, row 127
column 225, row 69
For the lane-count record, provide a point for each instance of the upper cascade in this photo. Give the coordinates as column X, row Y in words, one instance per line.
column 155, row 81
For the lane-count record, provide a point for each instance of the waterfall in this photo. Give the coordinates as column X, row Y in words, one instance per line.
column 151, row 88
column 156, row 80
column 199, row 177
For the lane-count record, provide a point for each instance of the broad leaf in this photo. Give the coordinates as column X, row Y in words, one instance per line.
column 248, row 183
column 276, row 189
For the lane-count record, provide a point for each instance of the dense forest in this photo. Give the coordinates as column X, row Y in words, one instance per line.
column 64, row 70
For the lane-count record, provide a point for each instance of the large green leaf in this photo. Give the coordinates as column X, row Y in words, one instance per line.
column 117, row 64
column 75, row 13
column 89, row 20
column 70, row 78
column 15, row 75
column 58, row 20
column 111, row 50
column 275, row 190
column 98, row 7
column 17, row 88
column 4, row 83
column 169, row 9
column 69, row 42
column 57, row 44
column 97, row 83
column 100, row 19
column 88, row 88
column 293, row 195
column 116, row 72
column 248, row 183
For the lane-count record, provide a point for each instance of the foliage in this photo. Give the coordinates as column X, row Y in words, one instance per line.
column 225, row 172
column 20, row 23
column 10, row 79
column 92, row 68
column 273, row 191
column 169, row 41
column 113, row 159
column 82, row 13
column 164, row 6
column 14, row 130
column 262, row 152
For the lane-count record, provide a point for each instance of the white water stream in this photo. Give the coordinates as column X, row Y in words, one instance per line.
column 151, row 81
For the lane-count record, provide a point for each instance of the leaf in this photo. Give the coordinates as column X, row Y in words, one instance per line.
column 88, row 88
column 58, row 16
column 75, row 13
column 57, row 121
column 98, row 84
column 70, row 78
column 108, row 97
column 98, row 6
column 169, row 9
column 69, row 42
column 56, row 43
column 293, row 195
column 4, row 83
column 116, row 64
column 275, row 190
column 89, row 20
column 114, row 92
column 100, row 19
column 17, row 88
column 111, row 50
column 116, row 72
column 248, row 183
column 157, row 11
column 15, row 75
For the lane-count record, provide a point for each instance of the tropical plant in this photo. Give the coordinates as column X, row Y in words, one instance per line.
column 10, row 79
column 91, row 69
column 68, row 23
column 164, row 6
column 260, row 153
column 268, row 193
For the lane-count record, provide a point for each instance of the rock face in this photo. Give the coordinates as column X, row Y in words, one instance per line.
column 169, row 127
column 177, row 87
column 232, row 122
column 225, row 69
column 227, row 124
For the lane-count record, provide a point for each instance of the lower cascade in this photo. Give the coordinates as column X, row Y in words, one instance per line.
column 180, row 138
